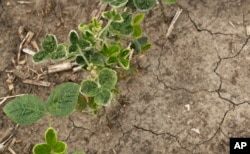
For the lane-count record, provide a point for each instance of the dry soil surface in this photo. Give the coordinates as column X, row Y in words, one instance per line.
column 190, row 93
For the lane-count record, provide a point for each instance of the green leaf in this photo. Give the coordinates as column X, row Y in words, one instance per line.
column 136, row 46
column 59, row 53
column 89, row 88
column 142, row 40
column 83, row 27
column 124, row 27
column 41, row 149
column 138, row 19
column 107, row 78
column 169, row 2
column 60, row 148
column 49, row 44
column 127, row 17
column 73, row 37
column 111, row 51
column 97, row 59
column 124, row 63
column 115, row 91
column 112, row 16
column 81, row 103
column 114, row 50
column 144, row 4
column 137, row 31
column 63, row 99
column 146, row 47
column 103, row 97
column 83, row 43
column 125, row 53
column 131, row 5
column 116, row 3
column 73, row 48
column 51, row 137
column 112, row 60
column 80, row 61
column 25, row 109
column 41, row 56
column 93, row 105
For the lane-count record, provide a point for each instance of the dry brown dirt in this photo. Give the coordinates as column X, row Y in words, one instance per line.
column 190, row 93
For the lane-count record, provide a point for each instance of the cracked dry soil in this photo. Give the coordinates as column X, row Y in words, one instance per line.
column 190, row 93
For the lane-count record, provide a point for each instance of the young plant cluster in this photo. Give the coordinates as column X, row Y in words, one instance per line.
column 99, row 47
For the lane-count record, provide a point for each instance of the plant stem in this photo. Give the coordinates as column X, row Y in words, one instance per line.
column 104, row 29
column 85, row 59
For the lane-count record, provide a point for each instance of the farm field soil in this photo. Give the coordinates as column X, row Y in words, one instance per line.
column 189, row 94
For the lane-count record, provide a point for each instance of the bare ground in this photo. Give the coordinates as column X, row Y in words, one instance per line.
column 190, row 93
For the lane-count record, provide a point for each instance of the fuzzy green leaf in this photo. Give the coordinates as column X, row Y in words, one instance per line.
column 51, row 137
column 112, row 60
column 131, row 5
column 42, row 149
column 116, row 3
column 144, row 4
column 138, row 19
column 89, row 88
column 114, row 50
column 136, row 46
column 125, row 53
column 111, row 51
column 146, row 47
column 60, row 148
column 137, row 31
column 169, row 2
column 103, row 97
column 115, row 91
column 142, row 40
column 83, row 43
column 40, row 56
column 49, row 43
column 73, row 48
column 25, row 109
column 83, row 27
column 124, row 63
column 93, row 105
column 73, row 37
column 124, row 27
column 59, row 53
column 63, row 99
column 113, row 16
column 97, row 59
column 80, row 61
column 107, row 78
column 81, row 103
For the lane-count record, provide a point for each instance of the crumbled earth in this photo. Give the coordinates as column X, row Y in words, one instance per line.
column 189, row 93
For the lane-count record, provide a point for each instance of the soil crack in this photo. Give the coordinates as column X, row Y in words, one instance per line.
column 163, row 133
column 203, row 29
column 220, row 77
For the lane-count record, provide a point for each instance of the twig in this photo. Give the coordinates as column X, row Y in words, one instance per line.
column 24, row 2
column 21, row 47
column 97, row 12
column 28, row 51
column 170, row 29
column 7, row 97
column 7, row 136
column 38, row 83
column 59, row 67
column 3, row 101
column 12, row 143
